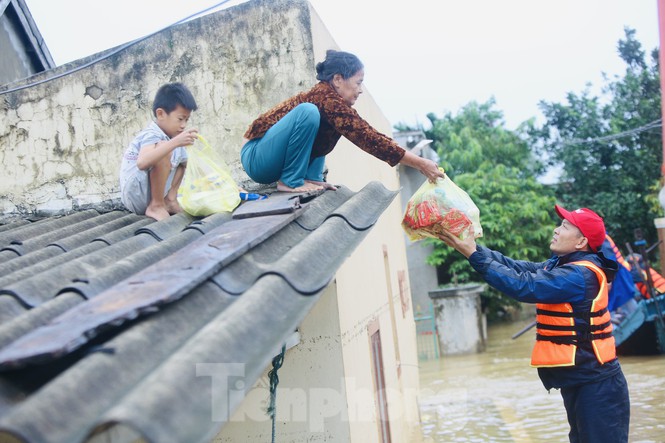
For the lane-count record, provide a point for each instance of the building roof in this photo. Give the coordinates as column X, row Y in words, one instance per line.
column 113, row 324
column 18, row 15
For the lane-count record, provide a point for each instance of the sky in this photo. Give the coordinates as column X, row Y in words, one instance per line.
column 420, row 56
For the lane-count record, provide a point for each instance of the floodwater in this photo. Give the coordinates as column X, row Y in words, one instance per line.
column 495, row 396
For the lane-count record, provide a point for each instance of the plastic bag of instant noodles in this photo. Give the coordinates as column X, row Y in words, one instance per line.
column 440, row 206
column 207, row 187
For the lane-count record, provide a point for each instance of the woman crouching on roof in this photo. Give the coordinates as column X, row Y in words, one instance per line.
column 289, row 143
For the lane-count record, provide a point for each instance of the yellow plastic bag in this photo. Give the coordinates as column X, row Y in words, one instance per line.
column 440, row 206
column 207, row 186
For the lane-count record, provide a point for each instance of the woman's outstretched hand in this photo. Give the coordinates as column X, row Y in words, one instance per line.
column 426, row 167
column 431, row 170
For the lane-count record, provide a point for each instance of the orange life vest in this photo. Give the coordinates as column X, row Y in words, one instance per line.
column 658, row 283
column 557, row 335
column 658, row 280
column 622, row 261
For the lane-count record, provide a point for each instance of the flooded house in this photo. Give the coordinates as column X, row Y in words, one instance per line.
column 114, row 327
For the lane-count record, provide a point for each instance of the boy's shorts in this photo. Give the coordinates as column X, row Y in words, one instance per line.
column 136, row 192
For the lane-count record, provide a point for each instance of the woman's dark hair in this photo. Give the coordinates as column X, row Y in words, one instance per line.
column 171, row 95
column 337, row 62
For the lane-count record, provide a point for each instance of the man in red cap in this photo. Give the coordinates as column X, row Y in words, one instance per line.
column 575, row 350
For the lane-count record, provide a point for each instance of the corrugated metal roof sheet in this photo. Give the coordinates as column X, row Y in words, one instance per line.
column 119, row 327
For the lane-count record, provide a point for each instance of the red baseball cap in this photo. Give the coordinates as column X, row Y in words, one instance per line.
column 588, row 222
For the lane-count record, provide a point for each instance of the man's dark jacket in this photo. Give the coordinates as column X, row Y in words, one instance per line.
column 553, row 281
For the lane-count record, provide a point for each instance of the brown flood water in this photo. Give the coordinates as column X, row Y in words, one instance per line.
column 497, row 397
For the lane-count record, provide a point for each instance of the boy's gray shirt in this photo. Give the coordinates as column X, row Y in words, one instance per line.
column 151, row 135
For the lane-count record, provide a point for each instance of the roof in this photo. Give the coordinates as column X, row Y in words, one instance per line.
column 114, row 323
column 19, row 15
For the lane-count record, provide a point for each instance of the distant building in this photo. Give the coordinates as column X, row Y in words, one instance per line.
column 422, row 277
column 23, row 49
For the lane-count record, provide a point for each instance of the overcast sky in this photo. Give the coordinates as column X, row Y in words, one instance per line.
column 420, row 56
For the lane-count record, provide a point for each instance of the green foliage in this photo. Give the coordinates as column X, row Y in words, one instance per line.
column 476, row 136
column 618, row 176
column 496, row 168
column 615, row 176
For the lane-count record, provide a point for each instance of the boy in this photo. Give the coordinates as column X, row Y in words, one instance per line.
column 154, row 163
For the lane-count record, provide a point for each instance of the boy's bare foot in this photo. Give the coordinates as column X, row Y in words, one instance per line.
column 307, row 187
column 157, row 212
column 172, row 206
column 324, row 185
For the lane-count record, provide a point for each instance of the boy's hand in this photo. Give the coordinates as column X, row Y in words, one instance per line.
column 186, row 138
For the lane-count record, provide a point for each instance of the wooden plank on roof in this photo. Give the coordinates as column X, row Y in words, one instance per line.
column 164, row 282
column 276, row 203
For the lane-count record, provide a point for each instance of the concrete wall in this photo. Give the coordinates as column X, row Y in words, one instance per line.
column 459, row 319
column 61, row 143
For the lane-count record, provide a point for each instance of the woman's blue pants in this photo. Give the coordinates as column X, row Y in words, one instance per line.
column 284, row 151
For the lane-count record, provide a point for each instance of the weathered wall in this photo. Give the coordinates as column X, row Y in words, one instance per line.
column 460, row 319
column 61, row 140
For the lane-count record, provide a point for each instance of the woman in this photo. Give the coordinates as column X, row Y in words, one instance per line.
column 288, row 144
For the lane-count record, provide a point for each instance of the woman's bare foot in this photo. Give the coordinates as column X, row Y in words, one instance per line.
column 325, row 185
column 307, row 187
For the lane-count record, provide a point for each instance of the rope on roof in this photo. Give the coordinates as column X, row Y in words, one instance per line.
column 274, row 381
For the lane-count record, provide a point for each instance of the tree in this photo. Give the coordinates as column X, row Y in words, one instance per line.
column 609, row 147
column 497, row 169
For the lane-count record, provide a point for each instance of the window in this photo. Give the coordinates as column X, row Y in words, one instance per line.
column 379, row 384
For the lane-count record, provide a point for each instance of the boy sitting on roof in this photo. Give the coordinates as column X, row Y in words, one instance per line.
column 154, row 163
